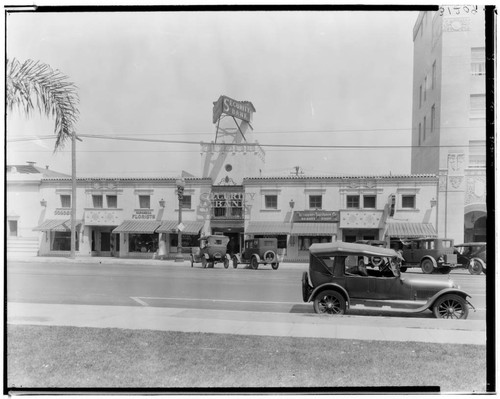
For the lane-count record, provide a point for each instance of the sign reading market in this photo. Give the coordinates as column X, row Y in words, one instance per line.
column 316, row 216
column 239, row 109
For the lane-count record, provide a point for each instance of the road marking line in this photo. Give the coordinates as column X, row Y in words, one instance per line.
column 139, row 301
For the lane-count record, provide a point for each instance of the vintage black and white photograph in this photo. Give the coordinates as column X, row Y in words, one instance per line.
column 248, row 200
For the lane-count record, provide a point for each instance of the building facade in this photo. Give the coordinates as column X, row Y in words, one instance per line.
column 448, row 122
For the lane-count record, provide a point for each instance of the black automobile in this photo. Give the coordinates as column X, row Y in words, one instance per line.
column 333, row 288
column 472, row 256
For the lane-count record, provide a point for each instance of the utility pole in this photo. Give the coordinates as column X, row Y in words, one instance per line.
column 73, row 194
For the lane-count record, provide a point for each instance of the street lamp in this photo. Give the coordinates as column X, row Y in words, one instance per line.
column 180, row 183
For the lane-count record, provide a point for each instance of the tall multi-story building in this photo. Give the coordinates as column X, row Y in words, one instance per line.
column 449, row 110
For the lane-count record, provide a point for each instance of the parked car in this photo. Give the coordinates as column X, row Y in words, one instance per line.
column 430, row 254
column 373, row 261
column 259, row 251
column 333, row 289
column 472, row 255
column 212, row 249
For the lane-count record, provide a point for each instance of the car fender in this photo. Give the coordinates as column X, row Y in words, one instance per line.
column 331, row 286
column 431, row 300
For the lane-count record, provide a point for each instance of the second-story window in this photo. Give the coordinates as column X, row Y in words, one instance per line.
column 97, row 201
column 144, row 201
column 271, row 201
column 65, row 201
column 408, row 201
column 186, row 202
column 369, row 201
column 315, row 202
column 112, row 201
column 352, row 201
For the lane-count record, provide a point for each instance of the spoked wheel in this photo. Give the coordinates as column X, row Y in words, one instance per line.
column 235, row 262
column 203, row 262
column 275, row 266
column 475, row 266
column 329, row 302
column 427, row 266
column 451, row 306
column 226, row 263
column 254, row 263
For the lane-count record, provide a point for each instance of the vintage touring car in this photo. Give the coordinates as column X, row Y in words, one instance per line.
column 212, row 249
column 332, row 287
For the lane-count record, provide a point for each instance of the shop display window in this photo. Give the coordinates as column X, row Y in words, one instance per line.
column 306, row 241
column 61, row 241
column 143, row 242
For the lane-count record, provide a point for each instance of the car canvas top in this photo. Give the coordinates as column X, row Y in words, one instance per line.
column 340, row 248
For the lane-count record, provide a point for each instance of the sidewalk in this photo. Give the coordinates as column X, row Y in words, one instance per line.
column 470, row 332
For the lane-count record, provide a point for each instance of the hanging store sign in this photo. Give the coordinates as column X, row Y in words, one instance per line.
column 316, row 216
column 228, row 106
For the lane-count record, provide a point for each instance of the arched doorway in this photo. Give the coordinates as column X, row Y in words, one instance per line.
column 475, row 226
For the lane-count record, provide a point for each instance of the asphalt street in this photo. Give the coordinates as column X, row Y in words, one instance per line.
column 177, row 297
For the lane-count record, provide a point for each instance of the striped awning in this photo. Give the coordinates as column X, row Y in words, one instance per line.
column 410, row 230
column 314, row 229
column 138, row 226
column 268, row 228
column 56, row 225
column 191, row 227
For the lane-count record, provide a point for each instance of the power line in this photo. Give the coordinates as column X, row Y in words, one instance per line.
column 301, row 146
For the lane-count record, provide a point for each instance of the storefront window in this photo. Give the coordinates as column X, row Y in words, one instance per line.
column 61, row 241
column 281, row 239
column 143, row 242
column 306, row 241
column 188, row 241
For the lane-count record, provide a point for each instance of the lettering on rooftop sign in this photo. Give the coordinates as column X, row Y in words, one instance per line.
column 239, row 109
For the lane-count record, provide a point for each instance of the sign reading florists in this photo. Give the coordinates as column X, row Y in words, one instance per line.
column 316, row 216
column 143, row 214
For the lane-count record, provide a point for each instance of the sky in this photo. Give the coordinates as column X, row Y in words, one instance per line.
column 324, row 78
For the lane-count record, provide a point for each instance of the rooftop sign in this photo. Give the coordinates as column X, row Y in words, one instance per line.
column 239, row 109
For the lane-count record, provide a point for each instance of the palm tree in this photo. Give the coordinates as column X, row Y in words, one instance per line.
column 33, row 84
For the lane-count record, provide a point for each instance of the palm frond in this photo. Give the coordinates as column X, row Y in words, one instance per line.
column 34, row 85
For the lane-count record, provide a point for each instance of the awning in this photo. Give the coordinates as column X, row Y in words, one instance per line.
column 138, row 226
column 191, row 227
column 410, row 230
column 314, row 229
column 268, row 228
column 56, row 225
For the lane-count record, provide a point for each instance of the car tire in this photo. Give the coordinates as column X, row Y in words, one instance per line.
column 226, row 263
column 329, row 302
column 275, row 265
column 203, row 262
column 254, row 263
column 235, row 262
column 475, row 266
column 306, row 288
column 269, row 257
column 450, row 306
column 427, row 266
